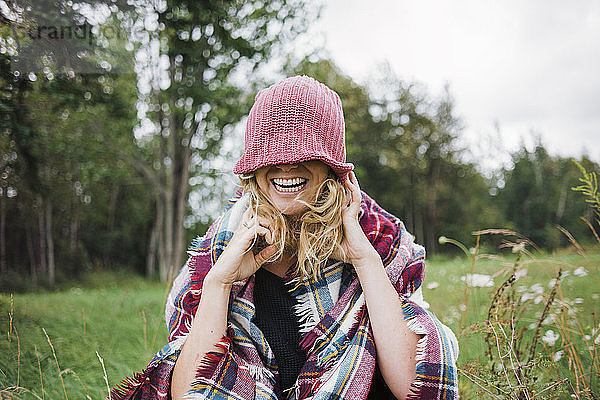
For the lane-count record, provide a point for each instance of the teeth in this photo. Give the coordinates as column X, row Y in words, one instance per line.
column 289, row 185
column 288, row 182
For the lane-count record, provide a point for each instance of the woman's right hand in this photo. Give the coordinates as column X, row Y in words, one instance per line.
column 238, row 261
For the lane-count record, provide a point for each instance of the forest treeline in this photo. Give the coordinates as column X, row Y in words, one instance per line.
column 101, row 149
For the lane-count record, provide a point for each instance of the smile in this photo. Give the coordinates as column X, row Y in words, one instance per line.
column 289, row 185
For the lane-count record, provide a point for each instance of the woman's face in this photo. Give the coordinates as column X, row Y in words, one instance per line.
column 285, row 184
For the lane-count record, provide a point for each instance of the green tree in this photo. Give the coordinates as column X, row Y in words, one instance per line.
column 56, row 166
column 404, row 146
column 202, row 45
column 537, row 198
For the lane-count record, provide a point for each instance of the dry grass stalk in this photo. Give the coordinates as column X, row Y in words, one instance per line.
column 472, row 379
column 83, row 385
column 16, row 389
column 588, row 223
column 506, row 232
column 569, row 345
column 574, row 242
column 37, row 355
column 57, row 365
column 10, row 320
column 105, row 376
column 543, row 317
column 463, row 316
column 18, row 357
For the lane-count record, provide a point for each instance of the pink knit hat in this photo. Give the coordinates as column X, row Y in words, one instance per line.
column 295, row 120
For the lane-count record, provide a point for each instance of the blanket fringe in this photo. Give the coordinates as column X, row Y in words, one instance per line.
column 305, row 313
column 127, row 386
column 211, row 360
column 258, row 373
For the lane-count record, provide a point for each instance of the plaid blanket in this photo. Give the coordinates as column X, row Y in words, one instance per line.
column 335, row 326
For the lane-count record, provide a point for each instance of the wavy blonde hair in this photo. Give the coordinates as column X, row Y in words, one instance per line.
column 312, row 236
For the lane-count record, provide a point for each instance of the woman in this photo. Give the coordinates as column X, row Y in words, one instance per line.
column 305, row 287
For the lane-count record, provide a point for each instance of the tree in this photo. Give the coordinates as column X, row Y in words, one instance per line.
column 55, row 163
column 537, row 198
column 404, row 146
column 202, row 45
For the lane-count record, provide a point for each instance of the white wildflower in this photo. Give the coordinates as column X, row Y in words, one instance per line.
column 537, row 288
column 538, row 299
column 527, row 296
column 520, row 273
column 432, row 285
column 597, row 340
column 587, row 337
column 550, row 337
column 478, row 280
column 580, row 272
column 578, row 300
column 532, row 325
column 552, row 283
column 558, row 355
column 462, row 307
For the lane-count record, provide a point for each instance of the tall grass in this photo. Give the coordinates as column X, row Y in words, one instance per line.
column 527, row 323
column 69, row 353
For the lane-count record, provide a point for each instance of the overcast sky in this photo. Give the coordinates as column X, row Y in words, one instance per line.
column 527, row 65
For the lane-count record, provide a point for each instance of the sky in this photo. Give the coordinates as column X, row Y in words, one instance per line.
column 516, row 69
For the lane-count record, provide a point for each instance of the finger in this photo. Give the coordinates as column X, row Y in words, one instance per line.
column 353, row 179
column 261, row 230
column 246, row 219
column 247, row 214
column 356, row 194
column 266, row 222
column 265, row 254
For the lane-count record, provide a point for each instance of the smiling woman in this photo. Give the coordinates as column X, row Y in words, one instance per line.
column 304, row 287
column 291, row 186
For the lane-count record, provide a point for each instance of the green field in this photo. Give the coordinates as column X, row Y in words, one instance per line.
column 121, row 318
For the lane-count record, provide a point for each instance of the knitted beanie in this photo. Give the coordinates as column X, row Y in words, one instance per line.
column 295, row 120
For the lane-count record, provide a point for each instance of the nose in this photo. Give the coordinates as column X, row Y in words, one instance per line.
column 287, row 167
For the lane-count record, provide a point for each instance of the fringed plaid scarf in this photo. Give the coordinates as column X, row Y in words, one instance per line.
column 335, row 325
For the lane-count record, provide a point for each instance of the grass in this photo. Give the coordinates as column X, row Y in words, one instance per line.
column 540, row 330
column 119, row 319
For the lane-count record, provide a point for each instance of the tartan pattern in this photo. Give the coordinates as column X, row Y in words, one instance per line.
column 336, row 331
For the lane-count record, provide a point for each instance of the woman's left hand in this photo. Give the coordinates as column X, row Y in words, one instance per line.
column 355, row 246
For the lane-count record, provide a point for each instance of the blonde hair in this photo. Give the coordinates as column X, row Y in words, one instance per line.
column 312, row 236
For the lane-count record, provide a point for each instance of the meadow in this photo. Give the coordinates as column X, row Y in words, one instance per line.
column 526, row 321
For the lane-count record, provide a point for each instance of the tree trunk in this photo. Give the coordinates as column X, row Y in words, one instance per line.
column 169, row 211
column 182, row 192
column 73, row 233
column 31, row 254
column 160, row 234
column 50, row 244
column 42, row 238
column 151, row 255
column 112, row 207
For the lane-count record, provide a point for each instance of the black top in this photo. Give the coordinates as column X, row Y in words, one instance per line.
column 276, row 318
